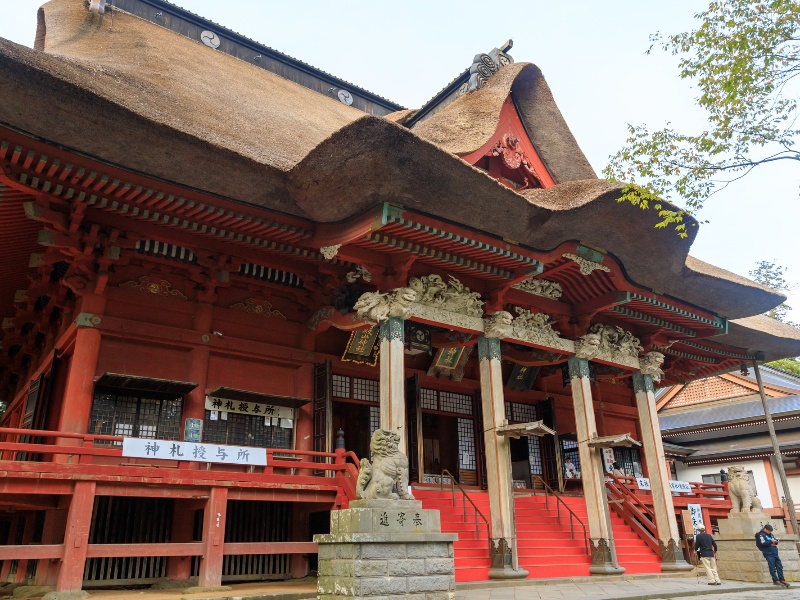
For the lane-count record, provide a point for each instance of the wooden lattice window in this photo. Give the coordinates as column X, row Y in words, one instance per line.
column 136, row 414
column 246, row 430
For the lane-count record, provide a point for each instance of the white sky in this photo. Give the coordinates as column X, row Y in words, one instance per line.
column 591, row 53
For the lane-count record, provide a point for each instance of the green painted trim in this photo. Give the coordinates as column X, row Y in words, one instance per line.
column 643, row 383
column 87, row 320
column 717, row 322
column 578, row 367
column 695, row 357
column 633, row 314
column 393, row 329
column 488, row 348
column 589, row 254
column 717, row 351
column 391, row 213
column 419, row 250
column 400, row 219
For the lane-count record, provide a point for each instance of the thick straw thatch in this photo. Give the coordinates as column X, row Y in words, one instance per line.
column 147, row 99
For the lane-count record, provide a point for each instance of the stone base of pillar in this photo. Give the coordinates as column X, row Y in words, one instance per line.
column 502, row 562
column 602, row 561
column 385, row 548
column 672, row 557
column 739, row 559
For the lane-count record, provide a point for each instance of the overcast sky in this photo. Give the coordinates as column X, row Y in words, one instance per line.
column 592, row 54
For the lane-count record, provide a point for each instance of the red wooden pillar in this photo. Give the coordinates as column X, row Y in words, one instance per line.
column 12, row 540
column 79, row 391
column 213, row 538
column 55, row 522
column 180, row 567
column 194, row 408
column 27, row 539
column 76, row 537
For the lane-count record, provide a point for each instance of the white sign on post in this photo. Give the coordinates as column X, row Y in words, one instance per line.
column 697, row 515
column 680, row 486
column 608, row 459
column 211, row 453
column 643, row 483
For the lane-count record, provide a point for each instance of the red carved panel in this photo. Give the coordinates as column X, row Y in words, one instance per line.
column 509, row 155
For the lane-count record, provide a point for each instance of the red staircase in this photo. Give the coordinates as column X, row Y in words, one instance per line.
column 545, row 547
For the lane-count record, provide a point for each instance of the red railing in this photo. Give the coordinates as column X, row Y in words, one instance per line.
column 341, row 465
column 633, row 511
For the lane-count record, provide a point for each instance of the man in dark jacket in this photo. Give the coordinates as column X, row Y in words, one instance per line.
column 706, row 549
column 768, row 544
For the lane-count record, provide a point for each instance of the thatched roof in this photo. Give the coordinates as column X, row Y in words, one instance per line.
column 775, row 339
column 467, row 123
column 240, row 132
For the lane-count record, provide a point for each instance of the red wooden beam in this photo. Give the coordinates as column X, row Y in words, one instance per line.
column 31, row 552
column 270, row 548
column 172, row 549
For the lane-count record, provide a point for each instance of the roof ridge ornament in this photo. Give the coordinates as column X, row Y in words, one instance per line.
column 484, row 66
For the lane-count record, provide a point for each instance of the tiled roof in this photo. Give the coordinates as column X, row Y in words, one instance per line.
column 727, row 413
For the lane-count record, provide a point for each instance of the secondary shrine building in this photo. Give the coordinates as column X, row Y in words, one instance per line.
column 224, row 269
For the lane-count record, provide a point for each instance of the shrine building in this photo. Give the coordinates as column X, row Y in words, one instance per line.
column 224, row 269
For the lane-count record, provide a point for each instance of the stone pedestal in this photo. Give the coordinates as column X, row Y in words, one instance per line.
column 739, row 558
column 387, row 549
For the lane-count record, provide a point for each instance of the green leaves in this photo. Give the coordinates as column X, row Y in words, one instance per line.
column 743, row 58
column 773, row 276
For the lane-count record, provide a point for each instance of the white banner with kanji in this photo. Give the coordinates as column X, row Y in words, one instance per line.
column 212, row 453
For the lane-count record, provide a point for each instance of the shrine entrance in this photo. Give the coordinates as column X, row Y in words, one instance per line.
column 448, row 435
column 439, row 444
column 351, row 419
column 355, row 408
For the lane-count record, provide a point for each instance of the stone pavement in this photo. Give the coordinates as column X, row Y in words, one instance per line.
column 611, row 588
column 641, row 587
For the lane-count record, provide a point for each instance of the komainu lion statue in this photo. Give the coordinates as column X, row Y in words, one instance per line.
column 743, row 499
column 389, row 468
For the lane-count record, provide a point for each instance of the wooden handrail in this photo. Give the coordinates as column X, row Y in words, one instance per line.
column 633, row 511
column 559, row 502
column 341, row 465
column 465, row 497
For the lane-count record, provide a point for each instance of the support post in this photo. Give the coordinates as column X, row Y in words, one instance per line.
column 787, row 494
column 195, row 405
column 55, row 522
column 392, row 378
column 505, row 560
column 5, row 570
column 179, row 568
column 76, row 538
column 213, row 538
column 666, row 523
column 27, row 539
column 79, row 391
column 604, row 555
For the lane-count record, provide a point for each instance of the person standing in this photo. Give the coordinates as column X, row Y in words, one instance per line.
column 768, row 544
column 706, row 549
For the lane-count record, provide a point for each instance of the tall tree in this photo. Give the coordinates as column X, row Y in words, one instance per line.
column 772, row 275
column 743, row 57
